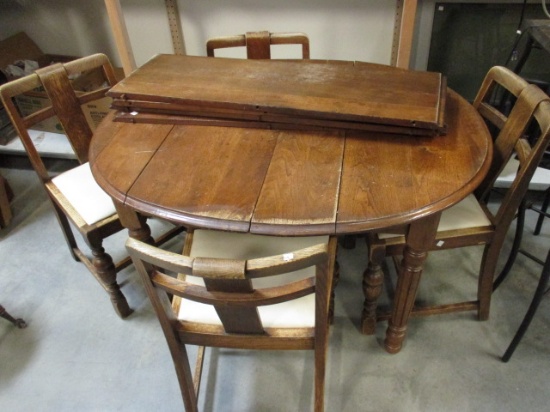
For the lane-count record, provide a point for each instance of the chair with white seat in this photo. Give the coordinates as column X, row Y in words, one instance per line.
column 77, row 199
column 540, row 181
column 470, row 222
column 242, row 291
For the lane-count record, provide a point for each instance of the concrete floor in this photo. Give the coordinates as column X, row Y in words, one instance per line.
column 76, row 354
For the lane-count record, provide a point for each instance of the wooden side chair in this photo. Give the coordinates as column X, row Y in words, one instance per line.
column 258, row 44
column 243, row 291
column 470, row 222
column 77, row 199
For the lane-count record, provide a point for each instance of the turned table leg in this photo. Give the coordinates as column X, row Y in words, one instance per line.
column 135, row 223
column 373, row 278
column 106, row 273
column 420, row 237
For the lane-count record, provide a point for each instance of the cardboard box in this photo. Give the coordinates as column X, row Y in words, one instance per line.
column 29, row 103
column 21, row 47
column 18, row 47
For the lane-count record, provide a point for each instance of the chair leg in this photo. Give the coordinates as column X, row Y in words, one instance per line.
column 541, row 288
column 67, row 231
column 320, row 373
column 20, row 323
column 323, row 291
column 373, row 278
column 486, row 276
column 515, row 246
column 189, row 392
column 198, row 370
column 106, row 274
column 335, row 279
column 544, row 210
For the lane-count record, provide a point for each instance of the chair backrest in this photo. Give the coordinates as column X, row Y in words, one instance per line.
column 509, row 82
column 529, row 156
column 58, row 81
column 532, row 106
column 258, row 44
column 506, row 126
column 228, row 287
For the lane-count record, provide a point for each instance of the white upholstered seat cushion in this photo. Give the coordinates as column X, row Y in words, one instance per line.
column 465, row 214
column 295, row 313
column 87, row 198
column 539, row 181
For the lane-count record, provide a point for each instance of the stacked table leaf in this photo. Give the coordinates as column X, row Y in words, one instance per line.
column 296, row 94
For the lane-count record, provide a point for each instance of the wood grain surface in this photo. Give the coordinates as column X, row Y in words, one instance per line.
column 331, row 91
column 292, row 182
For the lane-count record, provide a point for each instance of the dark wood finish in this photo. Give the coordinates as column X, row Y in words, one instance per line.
column 414, row 256
column 291, row 182
column 258, row 44
column 382, row 181
column 531, row 103
column 229, row 290
column 316, row 161
column 5, row 196
column 66, row 105
column 389, row 178
column 349, row 93
column 201, row 116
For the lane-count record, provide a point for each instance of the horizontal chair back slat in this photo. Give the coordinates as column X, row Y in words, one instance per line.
column 228, row 285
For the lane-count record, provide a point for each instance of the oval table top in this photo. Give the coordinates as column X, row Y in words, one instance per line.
column 289, row 182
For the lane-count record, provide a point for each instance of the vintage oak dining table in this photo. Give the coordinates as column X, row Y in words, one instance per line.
column 296, row 182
